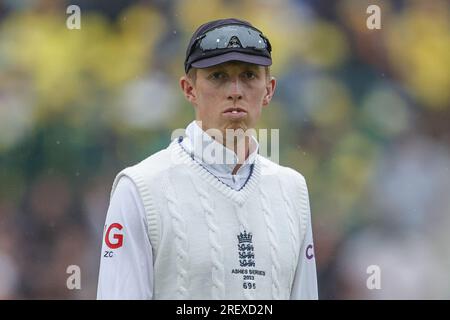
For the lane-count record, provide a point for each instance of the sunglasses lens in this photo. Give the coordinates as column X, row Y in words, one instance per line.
column 232, row 37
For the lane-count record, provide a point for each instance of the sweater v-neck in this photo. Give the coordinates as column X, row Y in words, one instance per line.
column 238, row 196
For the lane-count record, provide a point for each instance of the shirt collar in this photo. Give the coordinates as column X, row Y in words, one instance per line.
column 222, row 159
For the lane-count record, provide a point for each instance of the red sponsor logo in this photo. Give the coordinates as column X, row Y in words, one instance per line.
column 114, row 240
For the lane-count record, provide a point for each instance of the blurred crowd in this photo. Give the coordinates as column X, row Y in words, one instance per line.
column 363, row 114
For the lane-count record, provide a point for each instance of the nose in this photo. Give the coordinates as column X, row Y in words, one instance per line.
column 235, row 90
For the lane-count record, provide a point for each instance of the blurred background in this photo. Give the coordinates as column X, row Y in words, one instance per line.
column 363, row 114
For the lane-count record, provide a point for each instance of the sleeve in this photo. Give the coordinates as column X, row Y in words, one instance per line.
column 126, row 263
column 305, row 280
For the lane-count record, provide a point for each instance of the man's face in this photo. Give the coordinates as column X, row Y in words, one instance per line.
column 230, row 95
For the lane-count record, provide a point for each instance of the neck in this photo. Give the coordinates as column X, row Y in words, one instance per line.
column 240, row 145
column 238, row 142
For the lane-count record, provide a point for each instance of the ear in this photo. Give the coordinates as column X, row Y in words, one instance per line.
column 188, row 89
column 270, row 90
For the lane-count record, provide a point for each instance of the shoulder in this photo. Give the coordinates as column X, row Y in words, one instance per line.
column 126, row 195
column 125, row 188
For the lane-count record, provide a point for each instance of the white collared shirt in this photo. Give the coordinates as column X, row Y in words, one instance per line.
column 222, row 162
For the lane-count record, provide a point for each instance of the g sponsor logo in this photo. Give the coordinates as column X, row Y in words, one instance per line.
column 114, row 240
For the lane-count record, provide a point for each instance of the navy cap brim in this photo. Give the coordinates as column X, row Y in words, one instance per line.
column 232, row 56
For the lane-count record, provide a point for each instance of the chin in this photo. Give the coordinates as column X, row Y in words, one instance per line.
column 235, row 125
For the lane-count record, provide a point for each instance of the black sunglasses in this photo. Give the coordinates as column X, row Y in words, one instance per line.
column 231, row 36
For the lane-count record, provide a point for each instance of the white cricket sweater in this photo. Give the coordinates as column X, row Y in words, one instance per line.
column 205, row 239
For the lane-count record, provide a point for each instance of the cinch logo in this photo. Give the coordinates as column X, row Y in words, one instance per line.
column 117, row 236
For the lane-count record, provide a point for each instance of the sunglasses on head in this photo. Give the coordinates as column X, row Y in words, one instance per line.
column 232, row 36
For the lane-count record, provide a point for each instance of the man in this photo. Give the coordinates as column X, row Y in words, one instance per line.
column 230, row 224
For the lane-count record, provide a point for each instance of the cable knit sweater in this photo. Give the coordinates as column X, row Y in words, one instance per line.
column 209, row 241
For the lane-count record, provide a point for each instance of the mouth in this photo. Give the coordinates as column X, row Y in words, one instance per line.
column 235, row 110
column 235, row 113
